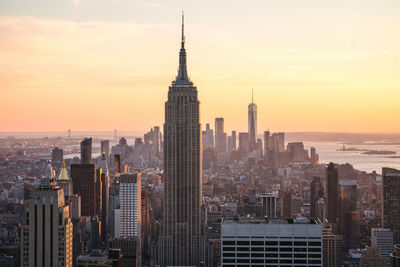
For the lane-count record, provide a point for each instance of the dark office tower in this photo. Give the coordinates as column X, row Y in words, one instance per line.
column 84, row 183
column 252, row 123
column 182, row 241
column 234, row 140
column 332, row 185
column 287, row 205
column 391, row 201
column 349, row 222
column 104, row 178
column 316, row 193
column 105, row 148
column 244, row 143
column 86, row 151
column 220, row 136
column 69, row 133
column 267, row 141
column 56, row 156
column 115, row 134
column 117, row 163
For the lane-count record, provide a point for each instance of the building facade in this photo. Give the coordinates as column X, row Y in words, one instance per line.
column 273, row 242
column 130, row 205
column 383, row 238
column 46, row 228
column 332, row 249
column 182, row 239
column 391, row 201
column 332, row 182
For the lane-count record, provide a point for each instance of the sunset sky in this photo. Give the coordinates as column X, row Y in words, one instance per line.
column 96, row 65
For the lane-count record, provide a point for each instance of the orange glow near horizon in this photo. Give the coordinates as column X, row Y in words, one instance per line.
column 334, row 74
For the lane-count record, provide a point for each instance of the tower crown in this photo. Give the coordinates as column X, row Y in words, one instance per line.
column 182, row 77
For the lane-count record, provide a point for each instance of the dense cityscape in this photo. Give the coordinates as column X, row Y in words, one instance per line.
column 187, row 194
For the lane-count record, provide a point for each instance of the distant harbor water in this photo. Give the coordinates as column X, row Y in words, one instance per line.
column 329, row 151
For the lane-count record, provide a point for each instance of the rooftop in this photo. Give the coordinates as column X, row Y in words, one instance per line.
column 252, row 220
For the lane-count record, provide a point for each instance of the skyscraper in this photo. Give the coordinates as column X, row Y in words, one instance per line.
column 332, row 249
column 220, row 136
column 157, row 141
column 86, row 151
column 267, row 141
column 316, row 192
column 244, row 143
column 332, row 184
column 208, row 137
column 349, row 223
column 105, row 148
column 182, row 240
column 84, row 183
column 269, row 205
column 57, row 156
column 383, row 238
column 104, row 178
column 234, row 140
column 64, row 181
column 46, row 228
column 130, row 205
column 252, row 123
column 281, row 142
column 391, row 201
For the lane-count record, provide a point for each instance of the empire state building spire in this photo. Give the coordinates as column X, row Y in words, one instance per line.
column 182, row 77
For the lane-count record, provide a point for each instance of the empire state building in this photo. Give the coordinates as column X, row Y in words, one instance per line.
column 181, row 241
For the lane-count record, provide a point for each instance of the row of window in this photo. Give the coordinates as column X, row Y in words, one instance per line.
column 284, row 261
column 270, row 243
column 282, row 255
column 281, row 249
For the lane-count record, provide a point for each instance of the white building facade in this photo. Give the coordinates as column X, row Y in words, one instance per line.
column 130, row 205
column 271, row 242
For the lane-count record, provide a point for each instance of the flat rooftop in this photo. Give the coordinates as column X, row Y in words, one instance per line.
column 252, row 220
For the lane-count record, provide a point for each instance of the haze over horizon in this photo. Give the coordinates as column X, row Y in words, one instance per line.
column 325, row 67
